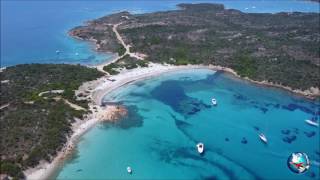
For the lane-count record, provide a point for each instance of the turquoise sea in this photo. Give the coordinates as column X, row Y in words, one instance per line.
column 170, row 114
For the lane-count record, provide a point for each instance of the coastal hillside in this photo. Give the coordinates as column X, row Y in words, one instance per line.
column 38, row 106
column 280, row 48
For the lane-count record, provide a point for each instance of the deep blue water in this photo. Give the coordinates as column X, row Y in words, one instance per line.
column 32, row 31
column 170, row 114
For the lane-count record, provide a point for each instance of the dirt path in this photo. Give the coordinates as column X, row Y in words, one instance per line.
column 4, row 106
column 72, row 105
column 59, row 91
column 126, row 46
column 119, row 38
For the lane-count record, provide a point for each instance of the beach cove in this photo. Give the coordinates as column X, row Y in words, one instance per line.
column 185, row 115
column 123, row 88
column 177, row 99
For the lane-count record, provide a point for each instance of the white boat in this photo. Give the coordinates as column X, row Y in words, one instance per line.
column 77, row 54
column 200, row 147
column 214, row 101
column 129, row 170
column 263, row 138
column 312, row 123
column 57, row 52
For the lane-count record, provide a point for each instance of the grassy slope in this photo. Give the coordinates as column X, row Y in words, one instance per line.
column 31, row 132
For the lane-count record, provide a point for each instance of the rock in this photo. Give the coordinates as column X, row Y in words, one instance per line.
column 244, row 140
column 310, row 134
column 285, row 131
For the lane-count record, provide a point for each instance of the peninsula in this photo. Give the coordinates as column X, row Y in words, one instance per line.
column 277, row 49
column 61, row 102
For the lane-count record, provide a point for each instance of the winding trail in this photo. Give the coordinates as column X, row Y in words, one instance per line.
column 4, row 106
column 97, row 89
column 59, row 91
column 119, row 38
column 126, row 46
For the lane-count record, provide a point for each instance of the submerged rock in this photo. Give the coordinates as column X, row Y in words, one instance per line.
column 289, row 139
column 114, row 112
column 244, row 140
column 312, row 174
column 310, row 134
column 285, row 131
column 256, row 128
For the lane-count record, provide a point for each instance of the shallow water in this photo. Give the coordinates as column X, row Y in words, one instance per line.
column 32, row 31
column 171, row 113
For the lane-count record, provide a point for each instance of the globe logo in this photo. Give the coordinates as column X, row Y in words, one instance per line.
column 298, row 162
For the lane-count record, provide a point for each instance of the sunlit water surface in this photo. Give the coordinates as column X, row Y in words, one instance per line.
column 170, row 114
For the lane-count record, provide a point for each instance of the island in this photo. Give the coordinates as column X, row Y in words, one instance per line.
column 45, row 108
column 279, row 49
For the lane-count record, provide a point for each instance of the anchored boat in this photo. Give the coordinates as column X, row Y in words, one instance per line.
column 312, row 123
column 214, row 101
column 129, row 170
column 200, row 147
column 263, row 138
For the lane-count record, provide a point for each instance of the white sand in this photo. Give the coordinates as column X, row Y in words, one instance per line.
column 95, row 91
column 119, row 38
column 100, row 87
column 45, row 169
column 139, row 74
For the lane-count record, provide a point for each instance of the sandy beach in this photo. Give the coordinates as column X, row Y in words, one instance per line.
column 94, row 91
column 45, row 169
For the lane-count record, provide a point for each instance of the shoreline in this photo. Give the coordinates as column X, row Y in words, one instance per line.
column 311, row 93
column 97, row 89
column 101, row 87
column 44, row 170
column 308, row 94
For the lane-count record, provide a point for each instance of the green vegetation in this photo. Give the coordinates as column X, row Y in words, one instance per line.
column 11, row 169
column 245, row 66
column 131, row 63
column 281, row 48
column 32, row 127
column 110, row 69
column 125, row 62
column 142, row 63
column 27, row 81
column 121, row 50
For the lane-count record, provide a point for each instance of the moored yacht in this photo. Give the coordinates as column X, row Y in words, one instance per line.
column 263, row 138
column 214, row 101
column 200, row 147
column 129, row 170
column 312, row 123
